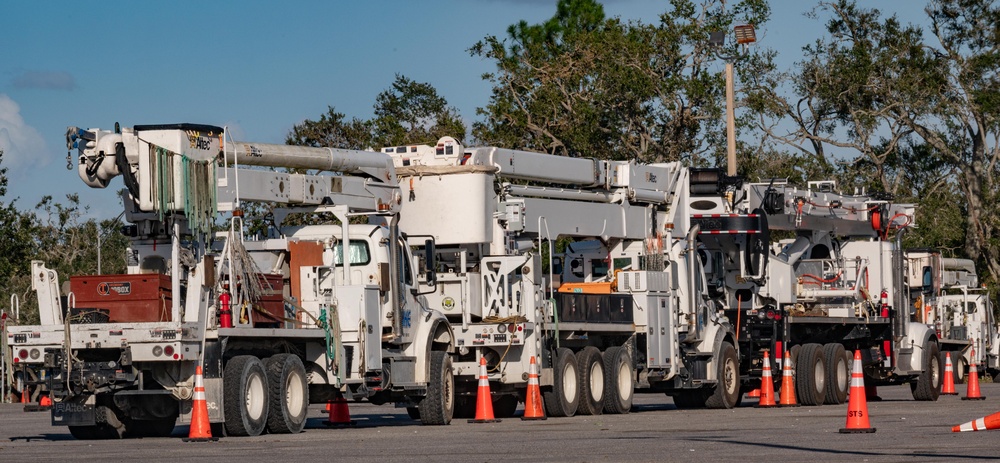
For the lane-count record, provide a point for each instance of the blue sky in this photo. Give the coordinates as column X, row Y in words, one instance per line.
column 258, row 67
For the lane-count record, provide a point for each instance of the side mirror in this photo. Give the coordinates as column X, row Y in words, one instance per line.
column 429, row 262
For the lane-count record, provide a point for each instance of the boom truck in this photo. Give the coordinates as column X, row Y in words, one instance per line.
column 947, row 296
column 679, row 258
column 307, row 315
column 838, row 283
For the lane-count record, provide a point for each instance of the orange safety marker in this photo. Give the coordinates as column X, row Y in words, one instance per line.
column 857, row 407
column 201, row 429
column 766, row 384
column 788, row 384
column 754, row 393
column 972, row 393
column 340, row 413
column 985, row 423
column 533, row 407
column 949, row 377
column 484, row 399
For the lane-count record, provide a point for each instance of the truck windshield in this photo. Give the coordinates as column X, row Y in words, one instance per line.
column 357, row 251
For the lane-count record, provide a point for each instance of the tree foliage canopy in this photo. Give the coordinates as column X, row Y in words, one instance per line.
column 581, row 84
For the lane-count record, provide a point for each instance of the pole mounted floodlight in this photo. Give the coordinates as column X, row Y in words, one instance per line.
column 745, row 35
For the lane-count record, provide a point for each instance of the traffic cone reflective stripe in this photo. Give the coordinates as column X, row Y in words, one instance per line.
column 340, row 413
column 949, row 377
column 983, row 424
column 201, row 429
column 533, row 408
column 972, row 393
column 484, row 400
column 788, row 384
column 766, row 384
column 857, row 407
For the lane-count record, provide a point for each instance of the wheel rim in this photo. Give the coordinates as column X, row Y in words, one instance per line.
column 729, row 376
column 843, row 376
column 294, row 393
column 935, row 373
column 569, row 383
column 255, row 397
column 446, row 388
column 596, row 381
column 819, row 376
column 624, row 381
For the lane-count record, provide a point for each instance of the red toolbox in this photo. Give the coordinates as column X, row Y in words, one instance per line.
column 127, row 298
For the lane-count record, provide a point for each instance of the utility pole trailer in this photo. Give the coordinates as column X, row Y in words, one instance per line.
column 310, row 314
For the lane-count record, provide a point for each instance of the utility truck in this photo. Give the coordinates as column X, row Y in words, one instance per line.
column 673, row 257
column 838, row 283
column 305, row 315
column 947, row 296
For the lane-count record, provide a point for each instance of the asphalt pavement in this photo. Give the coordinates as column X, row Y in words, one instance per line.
column 655, row 430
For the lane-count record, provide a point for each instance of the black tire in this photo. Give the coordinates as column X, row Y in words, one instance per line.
column 414, row 413
column 564, row 397
column 619, row 382
column 810, row 375
column 690, row 399
column 591, row 381
column 504, row 406
column 289, row 394
column 959, row 367
column 727, row 390
column 838, row 373
column 927, row 386
column 438, row 406
column 245, row 396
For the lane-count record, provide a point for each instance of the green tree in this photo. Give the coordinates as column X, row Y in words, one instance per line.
column 16, row 247
column 583, row 85
column 408, row 112
column 907, row 103
column 413, row 113
column 332, row 130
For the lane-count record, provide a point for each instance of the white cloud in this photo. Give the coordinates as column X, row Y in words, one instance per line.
column 23, row 147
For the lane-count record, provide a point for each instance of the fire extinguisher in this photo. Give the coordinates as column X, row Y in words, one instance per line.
column 225, row 311
column 884, row 299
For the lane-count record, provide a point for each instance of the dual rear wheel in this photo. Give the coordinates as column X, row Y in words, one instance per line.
column 259, row 395
column 591, row 382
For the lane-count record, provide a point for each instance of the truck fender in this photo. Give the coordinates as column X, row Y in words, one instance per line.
column 438, row 335
column 920, row 335
column 723, row 333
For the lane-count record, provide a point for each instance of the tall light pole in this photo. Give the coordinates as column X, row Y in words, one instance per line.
column 745, row 35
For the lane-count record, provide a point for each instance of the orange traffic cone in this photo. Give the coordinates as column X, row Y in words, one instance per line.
column 857, row 407
column 985, row 423
column 754, row 393
column 533, row 408
column 45, row 401
column 972, row 393
column 484, row 400
column 201, row 429
column 949, row 377
column 24, row 395
column 766, row 384
column 340, row 413
column 788, row 385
